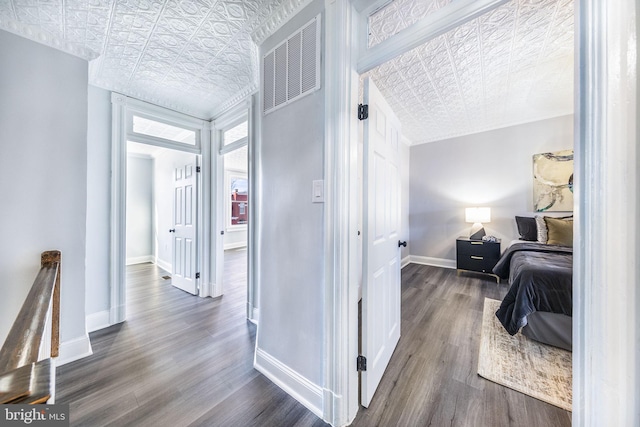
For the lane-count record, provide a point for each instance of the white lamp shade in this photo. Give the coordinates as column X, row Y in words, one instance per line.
column 474, row 215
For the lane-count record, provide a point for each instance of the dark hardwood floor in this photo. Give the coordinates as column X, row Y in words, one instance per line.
column 181, row 360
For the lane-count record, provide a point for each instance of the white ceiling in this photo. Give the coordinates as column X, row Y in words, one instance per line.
column 510, row 66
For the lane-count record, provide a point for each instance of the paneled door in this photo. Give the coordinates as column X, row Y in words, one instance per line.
column 381, row 257
column 184, row 227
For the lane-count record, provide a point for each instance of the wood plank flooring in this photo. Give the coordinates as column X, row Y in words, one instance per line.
column 181, row 360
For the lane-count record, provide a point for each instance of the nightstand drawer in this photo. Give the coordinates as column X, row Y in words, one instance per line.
column 478, row 247
column 476, row 263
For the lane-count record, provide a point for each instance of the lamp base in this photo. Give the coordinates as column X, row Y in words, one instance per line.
column 477, row 232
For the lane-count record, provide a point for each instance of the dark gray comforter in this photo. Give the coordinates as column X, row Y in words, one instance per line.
column 541, row 280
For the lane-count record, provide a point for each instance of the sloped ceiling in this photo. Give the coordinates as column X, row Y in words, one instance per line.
column 510, row 66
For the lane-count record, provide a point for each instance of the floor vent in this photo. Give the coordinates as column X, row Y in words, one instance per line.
column 166, row 277
column 292, row 69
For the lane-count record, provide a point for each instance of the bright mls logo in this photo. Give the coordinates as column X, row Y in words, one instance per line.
column 34, row 415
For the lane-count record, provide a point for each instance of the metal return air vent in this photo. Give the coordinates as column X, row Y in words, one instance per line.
column 292, row 69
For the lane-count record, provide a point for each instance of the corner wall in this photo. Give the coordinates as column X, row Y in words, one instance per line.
column 43, row 132
column 492, row 168
column 290, row 249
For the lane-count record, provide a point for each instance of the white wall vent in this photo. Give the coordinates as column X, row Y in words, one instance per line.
column 292, row 69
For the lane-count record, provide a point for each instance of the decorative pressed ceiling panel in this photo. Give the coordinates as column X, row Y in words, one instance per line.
column 193, row 56
column 509, row 66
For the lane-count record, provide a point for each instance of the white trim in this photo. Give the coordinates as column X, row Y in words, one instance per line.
column 342, row 267
column 606, row 330
column 433, row 25
column 405, row 261
column 236, row 245
column 97, row 321
column 277, row 19
column 74, row 349
column 140, row 259
column 294, row 384
column 254, row 314
column 166, row 266
column 436, row 262
column 39, row 35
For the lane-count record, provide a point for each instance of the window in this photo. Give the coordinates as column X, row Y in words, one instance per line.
column 157, row 129
column 237, row 199
column 236, row 133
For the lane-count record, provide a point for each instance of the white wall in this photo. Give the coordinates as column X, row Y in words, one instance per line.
column 140, row 212
column 98, row 207
column 491, row 168
column 291, row 235
column 43, row 167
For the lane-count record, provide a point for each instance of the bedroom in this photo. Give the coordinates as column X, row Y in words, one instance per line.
column 460, row 225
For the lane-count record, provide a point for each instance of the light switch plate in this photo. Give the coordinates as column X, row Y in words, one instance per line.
column 317, row 192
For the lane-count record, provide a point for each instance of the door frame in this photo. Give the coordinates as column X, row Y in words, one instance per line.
column 123, row 108
column 244, row 110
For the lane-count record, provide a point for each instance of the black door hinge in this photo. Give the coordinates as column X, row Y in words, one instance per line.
column 363, row 111
column 197, row 168
column 362, row 363
column 197, row 275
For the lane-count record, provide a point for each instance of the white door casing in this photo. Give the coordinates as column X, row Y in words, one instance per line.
column 381, row 258
column 184, row 227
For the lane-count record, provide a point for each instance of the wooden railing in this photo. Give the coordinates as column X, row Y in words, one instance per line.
column 27, row 373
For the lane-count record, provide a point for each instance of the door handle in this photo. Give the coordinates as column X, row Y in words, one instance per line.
column 172, row 230
column 400, row 243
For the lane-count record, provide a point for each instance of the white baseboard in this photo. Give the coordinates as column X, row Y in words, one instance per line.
column 97, row 321
column 140, row 259
column 436, row 262
column 254, row 315
column 405, row 261
column 297, row 386
column 236, row 245
column 166, row 266
column 74, row 349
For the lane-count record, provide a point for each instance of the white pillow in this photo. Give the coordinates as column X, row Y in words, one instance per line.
column 541, row 227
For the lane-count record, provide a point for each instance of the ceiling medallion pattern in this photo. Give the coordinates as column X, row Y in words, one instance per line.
column 191, row 56
column 510, row 66
column 398, row 15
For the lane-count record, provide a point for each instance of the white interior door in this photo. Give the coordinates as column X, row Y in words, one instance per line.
column 184, row 227
column 381, row 260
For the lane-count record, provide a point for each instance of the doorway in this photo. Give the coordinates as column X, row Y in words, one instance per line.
column 161, row 212
column 142, row 123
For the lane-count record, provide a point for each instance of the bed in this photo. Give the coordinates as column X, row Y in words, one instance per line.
column 539, row 301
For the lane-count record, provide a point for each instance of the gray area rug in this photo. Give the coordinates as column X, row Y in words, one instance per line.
column 524, row 365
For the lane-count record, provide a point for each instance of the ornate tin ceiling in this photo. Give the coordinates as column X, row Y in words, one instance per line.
column 510, row 66
column 194, row 56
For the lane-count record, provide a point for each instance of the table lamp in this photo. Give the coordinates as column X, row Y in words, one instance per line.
column 477, row 216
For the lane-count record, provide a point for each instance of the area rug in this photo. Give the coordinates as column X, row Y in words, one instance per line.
column 524, row 365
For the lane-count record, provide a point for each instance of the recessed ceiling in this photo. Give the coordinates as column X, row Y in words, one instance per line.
column 509, row 66
column 512, row 65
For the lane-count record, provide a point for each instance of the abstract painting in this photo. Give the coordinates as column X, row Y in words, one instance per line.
column 553, row 181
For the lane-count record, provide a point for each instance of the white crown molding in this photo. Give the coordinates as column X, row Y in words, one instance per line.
column 277, row 19
column 38, row 35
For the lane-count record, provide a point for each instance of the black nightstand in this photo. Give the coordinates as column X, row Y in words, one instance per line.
column 477, row 255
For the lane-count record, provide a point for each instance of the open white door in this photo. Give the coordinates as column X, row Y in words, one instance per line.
column 381, row 258
column 184, row 227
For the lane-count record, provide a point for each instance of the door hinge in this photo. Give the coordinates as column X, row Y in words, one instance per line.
column 362, row 363
column 197, row 275
column 363, row 111
column 198, row 169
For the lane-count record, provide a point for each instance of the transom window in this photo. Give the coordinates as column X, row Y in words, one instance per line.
column 157, row 129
